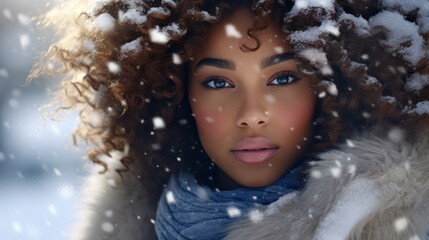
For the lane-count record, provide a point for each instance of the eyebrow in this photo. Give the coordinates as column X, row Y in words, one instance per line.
column 216, row 62
column 275, row 59
column 227, row 64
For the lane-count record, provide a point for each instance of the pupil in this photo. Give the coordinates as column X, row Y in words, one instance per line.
column 282, row 80
column 219, row 83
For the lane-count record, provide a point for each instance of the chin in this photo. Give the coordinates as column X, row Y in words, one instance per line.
column 258, row 181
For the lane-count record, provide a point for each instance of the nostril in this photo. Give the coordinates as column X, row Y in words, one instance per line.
column 244, row 124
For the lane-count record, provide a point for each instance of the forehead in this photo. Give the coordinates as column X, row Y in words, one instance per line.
column 224, row 38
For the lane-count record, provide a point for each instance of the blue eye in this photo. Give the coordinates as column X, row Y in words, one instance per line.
column 283, row 78
column 217, row 83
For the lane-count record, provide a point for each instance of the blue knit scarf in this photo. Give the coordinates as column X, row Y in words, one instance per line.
column 188, row 210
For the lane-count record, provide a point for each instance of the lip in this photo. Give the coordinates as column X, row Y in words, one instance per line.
column 254, row 150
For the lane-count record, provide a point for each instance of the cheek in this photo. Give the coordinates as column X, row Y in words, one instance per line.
column 212, row 122
column 295, row 119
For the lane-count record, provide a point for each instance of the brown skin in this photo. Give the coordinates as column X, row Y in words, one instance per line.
column 250, row 101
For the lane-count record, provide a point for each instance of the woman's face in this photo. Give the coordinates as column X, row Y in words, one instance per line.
column 253, row 109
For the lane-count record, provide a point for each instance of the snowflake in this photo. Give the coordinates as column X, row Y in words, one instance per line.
column 158, row 123
column 336, row 172
column 156, row 36
column 66, row 191
column 16, row 227
column 113, row 67
column 57, row 172
column 107, row 227
column 256, row 216
column 316, row 174
column 232, row 32
column 395, row 135
column 104, row 22
column 24, row 19
column 8, row 14
column 350, row 143
column 233, row 212
column 24, row 40
column 170, row 197
column 52, row 209
column 400, row 224
column 4, row 73
column 209, row 119
column 108, row 213
column 176, row 59
column 270, row 98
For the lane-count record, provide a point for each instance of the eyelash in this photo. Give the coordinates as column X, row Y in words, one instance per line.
column 291, row 78
column 210, row 82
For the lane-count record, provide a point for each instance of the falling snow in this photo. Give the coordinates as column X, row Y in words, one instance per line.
column 52, row 209
column 108, row 213
column 4, row 73
column 233, row 212
column 170, row 197
column 336, row 172
column 232, row 32
column 400, row 224
column 158, row 123
column 176, row 59
column 113, row 67
column 270, row 98
column 396, row 135
column 107, row 227
column 24, row 19
column 24, row 40
column 8, row 14
column 66, row 191
column 256, row 216
column 156, row 36
column 104, row 22
column 57, row 172
column 16, row 227
column 209, row 120
column 350, row 143
column 13, row 103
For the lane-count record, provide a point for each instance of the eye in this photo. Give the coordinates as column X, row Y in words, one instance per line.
column 283, row 78
column 216, row 83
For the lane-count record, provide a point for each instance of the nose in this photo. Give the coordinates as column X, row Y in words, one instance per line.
column 252, row 113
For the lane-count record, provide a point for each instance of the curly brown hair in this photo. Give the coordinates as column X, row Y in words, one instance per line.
column 120, row 80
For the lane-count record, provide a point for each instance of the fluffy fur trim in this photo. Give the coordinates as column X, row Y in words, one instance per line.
column 370, row 188
column 112, row 208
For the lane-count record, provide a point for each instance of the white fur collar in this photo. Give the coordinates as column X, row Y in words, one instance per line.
column 371, row 188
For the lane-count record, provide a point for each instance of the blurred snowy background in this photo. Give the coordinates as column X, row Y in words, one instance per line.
column 40, row 169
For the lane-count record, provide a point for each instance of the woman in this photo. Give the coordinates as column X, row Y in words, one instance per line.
column 264, row 120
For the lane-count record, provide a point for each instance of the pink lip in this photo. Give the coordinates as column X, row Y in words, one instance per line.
column 254, row 150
